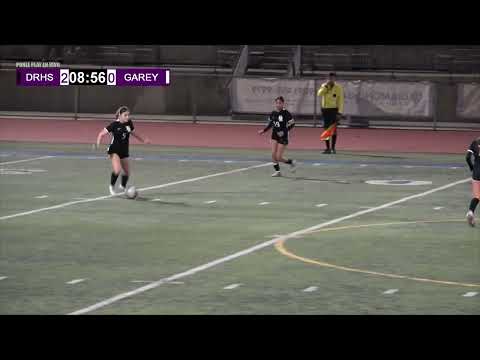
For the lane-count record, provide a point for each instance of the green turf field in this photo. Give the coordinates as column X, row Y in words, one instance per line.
column 112, row 242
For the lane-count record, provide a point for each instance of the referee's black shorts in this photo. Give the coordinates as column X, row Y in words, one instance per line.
column 329, row 116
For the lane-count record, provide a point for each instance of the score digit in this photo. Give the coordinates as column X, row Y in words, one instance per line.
column 64, row 77
column 111, row 77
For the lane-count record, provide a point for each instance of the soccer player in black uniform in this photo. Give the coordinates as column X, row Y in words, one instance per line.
column 281, row 122
column 473, row 151
column 120, row 130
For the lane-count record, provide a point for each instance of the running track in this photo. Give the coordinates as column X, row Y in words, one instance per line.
column 239, row 136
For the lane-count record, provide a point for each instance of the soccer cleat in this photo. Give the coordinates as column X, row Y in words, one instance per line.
column 470, row 219
column 293, row 166
column 334, row 151
column 112, row 192
column 327, row 151
column 276, row 174
column 122, row 189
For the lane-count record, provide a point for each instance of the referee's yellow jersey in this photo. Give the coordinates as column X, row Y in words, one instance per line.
column 331, row 98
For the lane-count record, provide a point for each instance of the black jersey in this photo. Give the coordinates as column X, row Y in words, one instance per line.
column 281, row 122
column 474, row 150
column 120, row 133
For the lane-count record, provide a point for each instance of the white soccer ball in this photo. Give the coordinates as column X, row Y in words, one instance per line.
column 131, row 192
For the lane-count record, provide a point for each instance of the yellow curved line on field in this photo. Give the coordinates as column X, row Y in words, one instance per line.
column 280, row 246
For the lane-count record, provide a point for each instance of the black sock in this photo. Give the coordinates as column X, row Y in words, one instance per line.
column 113, row 179
column 124, row 180
column 276, row 167
column 328, row 144
column 334, row 141
column 473, row 204
column 289, row 162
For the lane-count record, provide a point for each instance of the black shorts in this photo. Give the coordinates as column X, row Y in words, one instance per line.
column 476, row 174
column 120, row 151
column 280, row 139
column 329, row 117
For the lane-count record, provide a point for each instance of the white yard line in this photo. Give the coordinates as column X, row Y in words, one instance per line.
column 150, row 281
column 252, row 249
column 321, row 205
column 231, row 287
column 25, row 160
column 70, row 203
column 3, row 277
column 390, row 292
column 311, row 289
column 264, row 203
column 76, row 281
column 470, row 294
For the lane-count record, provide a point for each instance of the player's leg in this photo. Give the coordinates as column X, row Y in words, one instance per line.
column 116, row 169
column 276, row 165
column 474, row 202
column 126, row 173
column 280, row 150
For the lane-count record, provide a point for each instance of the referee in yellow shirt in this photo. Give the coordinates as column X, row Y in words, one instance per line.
column 332, row 107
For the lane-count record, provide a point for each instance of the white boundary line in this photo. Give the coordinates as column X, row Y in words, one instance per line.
column 232, row 286
column 252, row 249
column 76, row 281
column 390, row 292
column 59, row 206
column 24, row 160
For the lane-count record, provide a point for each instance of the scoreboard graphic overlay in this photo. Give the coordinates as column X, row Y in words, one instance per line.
column 57, row 76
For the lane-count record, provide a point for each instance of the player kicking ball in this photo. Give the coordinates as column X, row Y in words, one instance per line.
column 281, row 122
column 120, row 131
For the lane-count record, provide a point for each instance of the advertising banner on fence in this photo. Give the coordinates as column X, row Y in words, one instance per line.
column 468, row 100
column 362, row 98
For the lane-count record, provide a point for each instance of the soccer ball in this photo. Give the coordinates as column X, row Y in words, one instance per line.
column 131, row 192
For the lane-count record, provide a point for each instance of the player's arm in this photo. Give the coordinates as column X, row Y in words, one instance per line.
column 100, row 135
column 138, row 137
column 468, row 159
column 269, row 125
column 290, row 122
